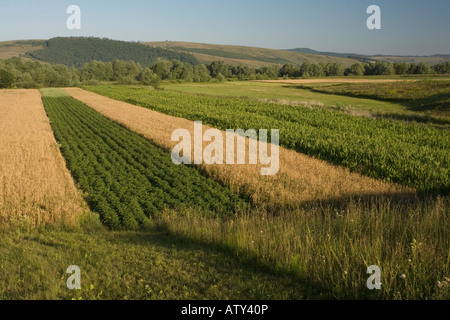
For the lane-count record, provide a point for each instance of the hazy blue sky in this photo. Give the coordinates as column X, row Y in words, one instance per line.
column 409, row 27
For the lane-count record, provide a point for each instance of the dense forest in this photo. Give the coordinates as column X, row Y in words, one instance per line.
column 21, row 73
column 77, row 51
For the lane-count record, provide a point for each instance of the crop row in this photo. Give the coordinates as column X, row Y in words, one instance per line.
column 126, row 177
column 413, row 155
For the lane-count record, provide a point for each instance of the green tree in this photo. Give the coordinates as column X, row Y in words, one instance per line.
column 401, row 68
column 334, row 69
column 289, row 70
column 188, row 73
column 163, row 69
column 305, row 70
column 382, row 68
column 442, row 68
column 201, row 73
column 149, row 78
column 218, row 67
column 424, row 68
column 356, row 69
column 317, row 70
column 6, row 79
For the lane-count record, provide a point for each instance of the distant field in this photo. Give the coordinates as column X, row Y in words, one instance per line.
column 300, row 94
column 242, row 55
column 9, row 52
column 430, row 96
column 398, row 59
column 278, row 91
column 9, row 49
column 335, row 80
column 35, row 185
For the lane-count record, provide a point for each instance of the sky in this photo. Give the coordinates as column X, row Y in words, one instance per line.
column 408, row 27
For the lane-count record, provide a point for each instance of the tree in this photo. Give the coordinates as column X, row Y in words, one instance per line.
column 289, row 70
column 218, row 67
column 317, row 70
column 442, row 68
column 356, row 69
column 305, row 69
column 6, row 79
column 201, row 73
column 401, row 68
column 163, row 69
column 334, row 69
column 177, row 69
column 149, row 78
column 424, row 68
column 188, row 73
column 270, row 72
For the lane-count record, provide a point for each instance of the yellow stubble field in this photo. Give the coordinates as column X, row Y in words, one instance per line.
column 35, row 184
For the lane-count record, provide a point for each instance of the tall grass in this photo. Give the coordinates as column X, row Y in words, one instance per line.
column 329, row 249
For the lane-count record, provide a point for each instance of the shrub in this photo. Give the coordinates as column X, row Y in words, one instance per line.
column 6, row 79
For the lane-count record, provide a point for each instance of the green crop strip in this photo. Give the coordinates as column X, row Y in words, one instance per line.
column 127, row 178
column 412, row 155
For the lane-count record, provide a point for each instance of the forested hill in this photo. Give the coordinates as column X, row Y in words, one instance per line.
column 76, row 51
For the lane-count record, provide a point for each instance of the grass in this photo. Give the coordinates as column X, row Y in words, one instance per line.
column 330, row 247
column 144, row 265
column 320, row 95
column 318, row 253
column 429, row 96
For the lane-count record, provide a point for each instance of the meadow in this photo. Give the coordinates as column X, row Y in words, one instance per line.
column 397, row 99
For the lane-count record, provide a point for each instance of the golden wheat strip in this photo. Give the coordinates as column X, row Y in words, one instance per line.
column 35, row 184
column 301, row 179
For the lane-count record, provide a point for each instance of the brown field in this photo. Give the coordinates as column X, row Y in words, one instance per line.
column 259, row 56
column 35, row 184
column 15, row 51
column 300, row 180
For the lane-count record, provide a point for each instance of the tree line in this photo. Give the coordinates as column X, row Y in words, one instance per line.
column 18, row 72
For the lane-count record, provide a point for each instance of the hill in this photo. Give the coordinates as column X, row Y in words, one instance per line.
column 76, row 51
column 249, row 56
column 432, row 60
column 9, row 49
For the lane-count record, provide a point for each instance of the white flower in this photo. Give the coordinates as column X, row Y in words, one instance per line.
column 403, row 276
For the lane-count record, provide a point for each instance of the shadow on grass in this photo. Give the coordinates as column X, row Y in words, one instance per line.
column 367, row 201
column 439, row 103
column 226, row 260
